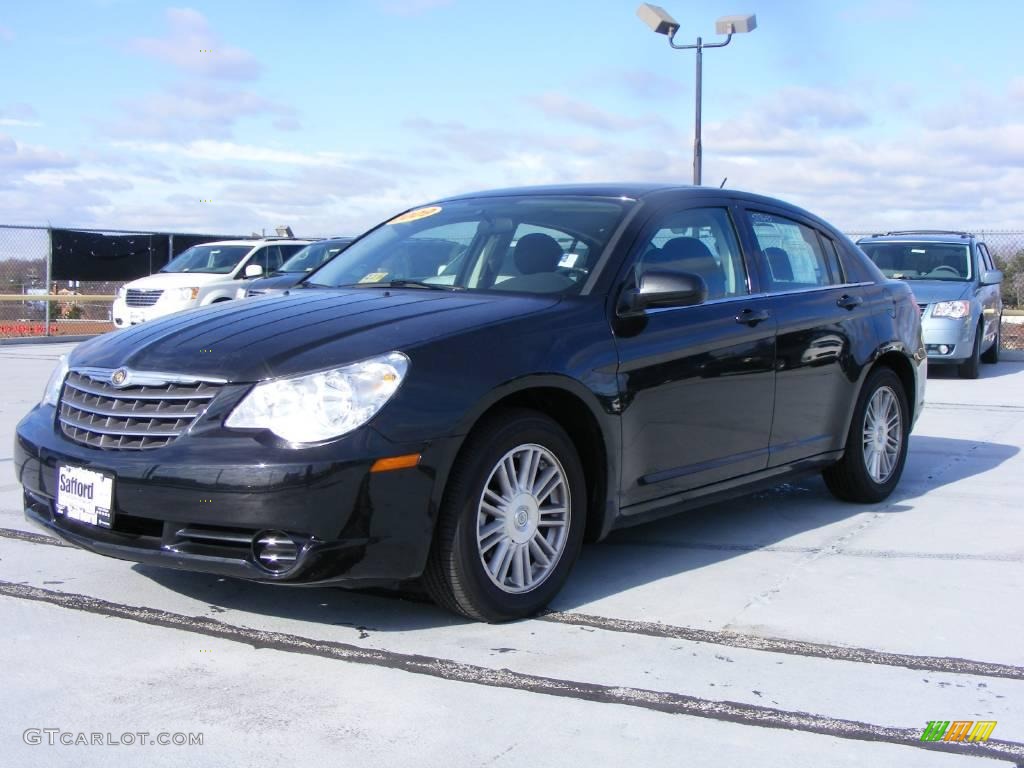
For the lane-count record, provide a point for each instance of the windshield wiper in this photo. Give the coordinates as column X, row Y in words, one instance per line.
column 405, row 284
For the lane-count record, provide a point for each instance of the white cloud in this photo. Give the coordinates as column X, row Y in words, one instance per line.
column 192, row 46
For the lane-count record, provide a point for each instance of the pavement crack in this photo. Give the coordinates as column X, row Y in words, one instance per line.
column 455, row 671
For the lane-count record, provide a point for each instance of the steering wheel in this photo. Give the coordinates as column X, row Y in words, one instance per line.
column 577, row 274
column 946, row 268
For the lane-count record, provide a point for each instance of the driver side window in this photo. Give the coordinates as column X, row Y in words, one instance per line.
column 701, row 241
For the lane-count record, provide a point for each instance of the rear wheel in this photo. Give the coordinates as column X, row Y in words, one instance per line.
column 992, row 353
column 876, row 447
column 512, row 519
column 969, row 368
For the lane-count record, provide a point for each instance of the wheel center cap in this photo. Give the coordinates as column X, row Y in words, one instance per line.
column 523, row 516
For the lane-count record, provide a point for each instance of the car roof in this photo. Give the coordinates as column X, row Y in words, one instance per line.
column 260, row 241
column 637, row 191
column 959, row 238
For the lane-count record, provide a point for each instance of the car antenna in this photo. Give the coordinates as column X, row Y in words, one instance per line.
column 723, row 182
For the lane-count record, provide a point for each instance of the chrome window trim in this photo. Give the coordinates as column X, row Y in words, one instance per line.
column 761, row 295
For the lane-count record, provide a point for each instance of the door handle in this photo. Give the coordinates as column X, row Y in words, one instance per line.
column 752, row 317
column 846, row 301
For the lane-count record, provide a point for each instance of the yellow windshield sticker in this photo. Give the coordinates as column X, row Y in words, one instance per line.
column 419, row 213
column 374, row 277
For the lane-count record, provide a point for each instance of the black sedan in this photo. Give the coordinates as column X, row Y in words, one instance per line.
column 476, row 386
column 309, row 259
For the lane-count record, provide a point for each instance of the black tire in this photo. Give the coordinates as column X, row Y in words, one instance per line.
column 455, row 576
column 971, row 367
column 850, row 479
column 991, row 355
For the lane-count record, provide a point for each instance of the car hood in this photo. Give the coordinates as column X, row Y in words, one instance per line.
column 303, row 330
column 931, row 291
column 279, row 282
column 165, row 280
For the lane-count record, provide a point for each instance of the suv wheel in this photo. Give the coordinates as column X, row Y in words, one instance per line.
column 992, row 353
column 876, row 447
column 512, row 520
column 969, row 368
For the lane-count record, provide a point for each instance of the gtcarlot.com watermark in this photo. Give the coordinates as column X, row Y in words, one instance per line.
column 59, row 737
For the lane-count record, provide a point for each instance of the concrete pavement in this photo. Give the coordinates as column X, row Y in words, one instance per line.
column 780, row 629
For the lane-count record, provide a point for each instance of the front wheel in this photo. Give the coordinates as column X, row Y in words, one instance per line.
column 991, row 355
column 970, row 368
column 512, row 520
column 876, row 447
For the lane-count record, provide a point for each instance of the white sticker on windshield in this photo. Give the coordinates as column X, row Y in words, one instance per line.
column 568, row 260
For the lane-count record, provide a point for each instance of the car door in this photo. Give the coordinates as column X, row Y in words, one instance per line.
column 821, row 318
column 696, row 382
column 990, row 296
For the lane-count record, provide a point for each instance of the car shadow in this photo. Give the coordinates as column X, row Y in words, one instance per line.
column 627, row 559
column 1003, row 368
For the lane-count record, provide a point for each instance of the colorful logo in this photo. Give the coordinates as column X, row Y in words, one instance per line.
column 958, row 730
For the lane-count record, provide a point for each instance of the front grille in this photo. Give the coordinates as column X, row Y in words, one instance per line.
column 137, row 298
column 94, row 412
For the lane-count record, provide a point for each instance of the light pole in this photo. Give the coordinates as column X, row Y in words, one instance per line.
column 660, row 21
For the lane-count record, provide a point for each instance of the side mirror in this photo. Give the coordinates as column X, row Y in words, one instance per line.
column 991, row 277
column 253, row 270
column 664, row 288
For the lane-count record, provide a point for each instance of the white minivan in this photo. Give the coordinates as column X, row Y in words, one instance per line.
column 201, row 275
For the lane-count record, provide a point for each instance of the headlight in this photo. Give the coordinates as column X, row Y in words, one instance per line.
column 182, row 294
column 323, row 405
column 954, row 309
column 52, row 392
column 122, row 292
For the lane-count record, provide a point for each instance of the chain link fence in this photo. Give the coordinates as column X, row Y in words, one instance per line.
column 40, row 290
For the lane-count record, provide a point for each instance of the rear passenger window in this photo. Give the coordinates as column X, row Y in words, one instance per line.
column 701, row 241
column 832, row 256
column 793, row 253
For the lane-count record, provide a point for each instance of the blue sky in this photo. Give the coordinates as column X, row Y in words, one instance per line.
column 332, row 116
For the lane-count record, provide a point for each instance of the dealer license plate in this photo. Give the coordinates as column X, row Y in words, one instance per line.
column 85, row 496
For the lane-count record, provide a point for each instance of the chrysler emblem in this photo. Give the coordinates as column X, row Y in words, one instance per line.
column 119, row 378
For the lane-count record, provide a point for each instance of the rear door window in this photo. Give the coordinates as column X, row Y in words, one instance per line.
column 793, row 253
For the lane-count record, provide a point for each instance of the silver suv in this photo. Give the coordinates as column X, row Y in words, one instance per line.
column 956, row 284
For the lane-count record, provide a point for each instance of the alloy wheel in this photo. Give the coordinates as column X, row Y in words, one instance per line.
column 883, row 434
column 523, row 518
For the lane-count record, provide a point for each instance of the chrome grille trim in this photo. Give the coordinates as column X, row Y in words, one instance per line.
column 148, row 413
column 141, row 298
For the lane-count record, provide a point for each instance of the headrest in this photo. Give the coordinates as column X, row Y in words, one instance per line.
column 537, row 252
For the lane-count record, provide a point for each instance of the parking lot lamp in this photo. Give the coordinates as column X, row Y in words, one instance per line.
column 660, row 21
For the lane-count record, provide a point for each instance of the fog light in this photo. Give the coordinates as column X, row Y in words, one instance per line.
column 275, row 551
column 943, row 349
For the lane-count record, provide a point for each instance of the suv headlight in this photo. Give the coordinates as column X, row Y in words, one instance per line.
column 323, row 405
column 182, row 294
column 52, row 392
column 122, row 292
column 953, row 309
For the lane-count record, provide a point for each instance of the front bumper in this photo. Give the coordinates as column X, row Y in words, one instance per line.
column 199, row 502
column 956, row 336
column 125, row 316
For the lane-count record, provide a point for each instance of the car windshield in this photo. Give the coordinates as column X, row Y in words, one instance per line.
column 921, row 261
column 312, row 256
column 528, row 244
column 215, row 259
